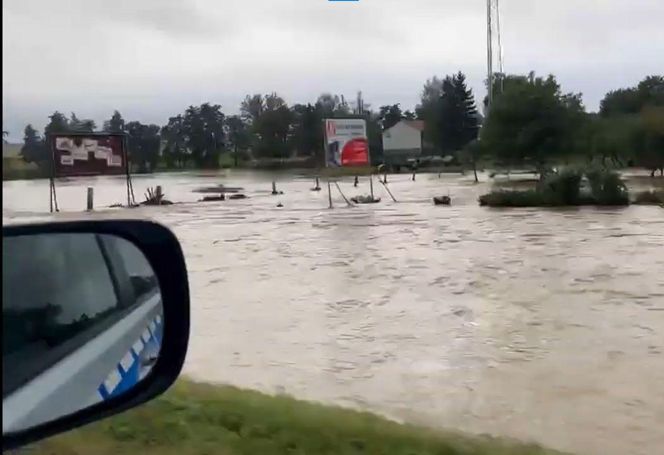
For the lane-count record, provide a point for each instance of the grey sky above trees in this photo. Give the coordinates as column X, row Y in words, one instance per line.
column 151, row 58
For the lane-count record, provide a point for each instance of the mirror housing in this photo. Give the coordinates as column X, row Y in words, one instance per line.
column 164, row 254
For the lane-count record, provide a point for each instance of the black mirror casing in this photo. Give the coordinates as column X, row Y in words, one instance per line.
column 163, row 252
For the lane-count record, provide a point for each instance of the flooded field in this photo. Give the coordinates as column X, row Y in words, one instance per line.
column 544, row 325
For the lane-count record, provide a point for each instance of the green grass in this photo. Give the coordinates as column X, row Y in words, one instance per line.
column 17, row 169
column 202, row 419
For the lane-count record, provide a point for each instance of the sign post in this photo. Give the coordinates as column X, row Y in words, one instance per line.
column 88, row 154
column 346, row 145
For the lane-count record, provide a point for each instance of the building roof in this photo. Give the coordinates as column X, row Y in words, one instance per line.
column 417, row 124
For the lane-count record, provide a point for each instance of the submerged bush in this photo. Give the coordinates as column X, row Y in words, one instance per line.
column 607, row 187
column 564, row 189
column 528, row 198
column 654, row 197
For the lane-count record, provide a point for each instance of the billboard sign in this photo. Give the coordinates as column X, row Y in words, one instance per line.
column 346, row 142
column 80, row 154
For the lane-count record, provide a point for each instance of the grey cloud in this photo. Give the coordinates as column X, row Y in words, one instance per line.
column 176, row 18
column 151, row 58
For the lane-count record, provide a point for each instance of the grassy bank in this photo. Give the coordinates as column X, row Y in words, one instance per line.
column 204, row 419
column 17, row 169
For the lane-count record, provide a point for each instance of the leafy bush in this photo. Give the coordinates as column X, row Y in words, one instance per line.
column 562, row 188
column 655, row 197
column 607, row 187
column 528, row 198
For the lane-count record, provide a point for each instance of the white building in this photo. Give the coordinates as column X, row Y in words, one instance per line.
column 403, row 141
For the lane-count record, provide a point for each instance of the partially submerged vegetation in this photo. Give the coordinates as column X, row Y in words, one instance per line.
column 155, row 196
column 569, row 187
column 204, row 419
column 651, row 197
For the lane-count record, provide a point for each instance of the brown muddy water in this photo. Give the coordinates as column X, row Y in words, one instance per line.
column 543, row 325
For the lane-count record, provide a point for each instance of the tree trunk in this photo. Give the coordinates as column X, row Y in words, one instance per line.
column 475, row 170
column 235, row 156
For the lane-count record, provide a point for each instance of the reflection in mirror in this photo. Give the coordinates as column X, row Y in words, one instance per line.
column 81, row 323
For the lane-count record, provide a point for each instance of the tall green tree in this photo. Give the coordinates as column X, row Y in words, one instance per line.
column 333, row 105
column 457, row 119
column 409, row 115
column 431, row 93
column 271, row 129
column 175, row 152
column 34, row 149
column 144, row 143
column 621, row 101
column 252, row 107
column 274, row 102
column 58, row 123
column 429, row 110
column 307, row 130
column 238, row 136
column 375, row 138
column 627, row 129
column 115, row 124
column 632, row 100
column 390, row 115
column 650, row 154
column 197, row 135
column 81, row 125
column 204, row 133
column 532, row 122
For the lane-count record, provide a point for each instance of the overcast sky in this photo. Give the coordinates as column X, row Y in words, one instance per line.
column 152, row 58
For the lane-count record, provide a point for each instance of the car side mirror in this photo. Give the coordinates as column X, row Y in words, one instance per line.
column 95, row 321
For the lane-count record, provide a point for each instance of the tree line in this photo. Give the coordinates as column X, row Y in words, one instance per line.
column 531, row 122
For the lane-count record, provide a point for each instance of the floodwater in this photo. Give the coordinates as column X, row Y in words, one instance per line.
column 543, row 325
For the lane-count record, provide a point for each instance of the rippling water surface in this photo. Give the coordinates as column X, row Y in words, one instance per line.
column 545, row 325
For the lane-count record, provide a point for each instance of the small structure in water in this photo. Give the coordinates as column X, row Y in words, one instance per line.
column 218, row 189
column 220, row 197
column 442, row 200
column 365, row 199
column 275, row 192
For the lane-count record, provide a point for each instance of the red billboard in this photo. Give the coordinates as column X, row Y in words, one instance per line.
column 346, row 142
column 85, row 154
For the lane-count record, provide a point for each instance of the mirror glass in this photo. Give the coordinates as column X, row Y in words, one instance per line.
column 81, row 323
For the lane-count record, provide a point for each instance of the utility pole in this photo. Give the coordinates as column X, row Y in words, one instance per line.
column 500, row 47
column 489, row 56
column 492, row 5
